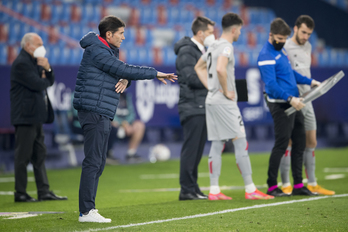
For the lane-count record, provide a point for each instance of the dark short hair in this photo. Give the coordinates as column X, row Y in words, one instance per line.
column 231, row 19
column 280, row 27
column 306, row 19
column 201, row 24
column 110, row 23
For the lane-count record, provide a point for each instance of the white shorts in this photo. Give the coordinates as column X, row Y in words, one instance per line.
column 310, row 121
column 224, row 122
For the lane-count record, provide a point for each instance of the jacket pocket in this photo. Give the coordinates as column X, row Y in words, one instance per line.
column 28, row 106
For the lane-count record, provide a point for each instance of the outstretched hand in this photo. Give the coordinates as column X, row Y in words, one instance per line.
column 169, row 76
column 121, row 85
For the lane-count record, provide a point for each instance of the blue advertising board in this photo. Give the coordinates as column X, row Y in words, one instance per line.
column 156, row 103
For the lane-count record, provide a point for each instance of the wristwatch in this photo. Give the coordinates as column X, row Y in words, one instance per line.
column 49, row 70
column 289, row 99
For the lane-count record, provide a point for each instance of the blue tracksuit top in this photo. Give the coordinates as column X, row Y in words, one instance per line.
column 276, row 72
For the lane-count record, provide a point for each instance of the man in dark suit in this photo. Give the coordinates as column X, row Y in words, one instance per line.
column 192, row 105
column 31, row 74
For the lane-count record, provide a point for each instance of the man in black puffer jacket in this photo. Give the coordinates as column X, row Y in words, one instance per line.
column 100, row 79
column 192, row 105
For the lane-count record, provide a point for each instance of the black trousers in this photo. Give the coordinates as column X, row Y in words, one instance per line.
column 286, row 128
column 195, row 137
column 96, row 130
column 30, row 147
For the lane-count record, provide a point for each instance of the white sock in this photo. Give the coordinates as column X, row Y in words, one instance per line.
column 214, row 189
column 250, row 188
column 312, row 183
column 286, row 185
column 131, row 152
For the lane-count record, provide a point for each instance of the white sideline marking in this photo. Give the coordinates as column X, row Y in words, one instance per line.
column 12, row 179
column 219, row 212
column 334, row 176
column 11, row 193
column 168, row 176
column 178, row 189
column 345, row 169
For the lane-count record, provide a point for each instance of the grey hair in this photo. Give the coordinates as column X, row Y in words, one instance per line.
column 28, row 37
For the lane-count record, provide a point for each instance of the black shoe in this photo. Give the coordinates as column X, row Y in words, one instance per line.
column 112, row 161
column 20, row 197
column 201, row 195
column 302, row 192
column 188, row 196
column 134, row 158
column 51, row 196
column 277, row 193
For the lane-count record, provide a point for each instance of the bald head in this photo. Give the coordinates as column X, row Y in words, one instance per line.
column 30, row 42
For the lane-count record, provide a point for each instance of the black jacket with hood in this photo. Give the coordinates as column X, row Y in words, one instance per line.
column 192, row 91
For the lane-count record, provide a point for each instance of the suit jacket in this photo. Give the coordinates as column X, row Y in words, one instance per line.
column 27, row 93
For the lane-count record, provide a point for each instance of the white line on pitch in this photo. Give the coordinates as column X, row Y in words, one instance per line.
column 12, row 179
column 218, row 212
column 178, row 189
column 168, row 176
column 342, row 169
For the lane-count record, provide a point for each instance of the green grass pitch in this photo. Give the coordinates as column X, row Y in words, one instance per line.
column 144, row 193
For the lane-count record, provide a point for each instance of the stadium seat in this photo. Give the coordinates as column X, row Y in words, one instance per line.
column 3, row 53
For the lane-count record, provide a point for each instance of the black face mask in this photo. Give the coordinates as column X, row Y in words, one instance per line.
column 277, row 45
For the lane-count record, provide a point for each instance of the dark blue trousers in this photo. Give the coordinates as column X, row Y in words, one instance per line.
column 96, row 129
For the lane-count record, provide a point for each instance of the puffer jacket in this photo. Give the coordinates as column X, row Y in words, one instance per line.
column 192, row 91
column 99, row 72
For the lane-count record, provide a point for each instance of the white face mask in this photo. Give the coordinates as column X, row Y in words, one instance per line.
column 39, row 52
column 209, row 40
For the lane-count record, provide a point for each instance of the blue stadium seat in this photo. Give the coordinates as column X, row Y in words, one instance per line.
column 14, row 32
column 75, row 31
column 3, row 53
column 44, row 37
column 86, row 13
column 65, row 15
column 129, row 34
column 56, row 11
column 313, row 39
column 36, row 11
column 340, row 57
column 95, row 17
column 132, row 55
column 173, row 16
column 147, row 15
column 179, row 35
column 149, row 37
column 169, row 56
column 76, row 56
column 143, row 58
column 64, row 56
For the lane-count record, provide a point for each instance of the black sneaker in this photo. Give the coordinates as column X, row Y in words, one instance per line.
column 277, row 193
column 201, row 195
column 134, row 158
column 188, row 196
column 302, row 192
